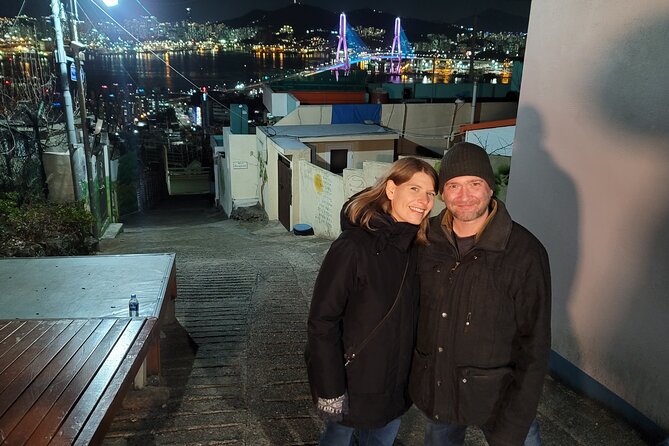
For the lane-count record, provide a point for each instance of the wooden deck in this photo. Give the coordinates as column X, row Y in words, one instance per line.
column 68, row 350
column 62, row 380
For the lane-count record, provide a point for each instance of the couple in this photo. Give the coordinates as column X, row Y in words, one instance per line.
column 452, row 313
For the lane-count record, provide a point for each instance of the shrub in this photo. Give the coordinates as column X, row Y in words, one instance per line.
column 41, row 228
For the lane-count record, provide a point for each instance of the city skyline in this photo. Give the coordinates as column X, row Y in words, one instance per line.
column 208, row 10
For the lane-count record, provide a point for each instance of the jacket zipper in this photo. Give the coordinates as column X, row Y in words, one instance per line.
column 470, row 299
column 457, row 263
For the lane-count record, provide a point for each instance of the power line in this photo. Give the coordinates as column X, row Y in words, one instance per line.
column 167, row 64
column 147, row 11
column 149, row 50
column 19, row 13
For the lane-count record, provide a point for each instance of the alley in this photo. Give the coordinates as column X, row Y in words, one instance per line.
column 232, row 366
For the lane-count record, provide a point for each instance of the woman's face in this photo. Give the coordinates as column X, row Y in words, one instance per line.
column 412, row 201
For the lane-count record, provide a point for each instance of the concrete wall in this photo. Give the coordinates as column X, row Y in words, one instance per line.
column 427, row 125
column 308, row 115
column 428, row 91
column 358, row 151
column 58, row 176
column 322, row 196
column 322, row 193
column 295, row 157
column 495, row 111
column 268, row 175
column 589, row 177
column 238, row 178
column 442, row 91
column 268, row 164
column 278, row 104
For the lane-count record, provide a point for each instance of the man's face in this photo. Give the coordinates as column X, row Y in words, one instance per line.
column 467, row 198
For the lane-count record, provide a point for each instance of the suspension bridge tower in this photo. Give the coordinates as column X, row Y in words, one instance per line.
column 396, row 57
column 342, row 46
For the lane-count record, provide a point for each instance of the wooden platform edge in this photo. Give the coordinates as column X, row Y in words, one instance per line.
column 110, row 402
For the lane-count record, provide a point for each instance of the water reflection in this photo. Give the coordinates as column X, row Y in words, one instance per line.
column 218, row 68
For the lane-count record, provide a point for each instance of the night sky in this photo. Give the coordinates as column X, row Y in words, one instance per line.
column 203, row 10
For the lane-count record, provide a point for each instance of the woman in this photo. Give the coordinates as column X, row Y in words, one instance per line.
column 362, row 319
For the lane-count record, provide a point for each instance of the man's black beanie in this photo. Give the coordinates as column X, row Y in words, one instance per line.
column 466, row 159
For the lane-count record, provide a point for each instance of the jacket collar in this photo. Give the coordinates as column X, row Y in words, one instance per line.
column 493, row 236
column 390, row 232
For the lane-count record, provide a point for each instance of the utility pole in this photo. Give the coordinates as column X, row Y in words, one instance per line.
column 61, row 59
column 76, row 47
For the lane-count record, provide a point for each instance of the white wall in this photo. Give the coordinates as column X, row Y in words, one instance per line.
column 279, row 104
column 239, row 179
column 284, row 103
column 589, row 177
column 268, row 189
column 295, row 209
column 270, row 152
column 322, row 193
column 322, row 197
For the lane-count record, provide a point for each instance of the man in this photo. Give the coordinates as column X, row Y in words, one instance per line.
column 484, row 323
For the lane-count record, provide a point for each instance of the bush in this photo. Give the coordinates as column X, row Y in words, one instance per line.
column 41, row 228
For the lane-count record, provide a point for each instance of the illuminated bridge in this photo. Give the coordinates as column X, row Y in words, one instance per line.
column 351, row 49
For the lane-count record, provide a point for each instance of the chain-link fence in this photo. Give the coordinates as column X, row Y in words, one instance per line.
column 21, row 168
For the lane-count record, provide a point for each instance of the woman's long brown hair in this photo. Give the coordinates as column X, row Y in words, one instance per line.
column 364, row 206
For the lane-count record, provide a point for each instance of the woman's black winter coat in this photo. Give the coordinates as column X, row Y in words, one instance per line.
column 356, row 286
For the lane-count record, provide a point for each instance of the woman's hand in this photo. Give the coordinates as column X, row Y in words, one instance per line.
column 333, row 409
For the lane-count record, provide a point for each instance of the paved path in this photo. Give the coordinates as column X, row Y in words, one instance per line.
column 233, row 371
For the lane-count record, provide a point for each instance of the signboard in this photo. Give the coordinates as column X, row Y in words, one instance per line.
column 73, row 73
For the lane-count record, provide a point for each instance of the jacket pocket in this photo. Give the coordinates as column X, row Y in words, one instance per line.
column 480, row 393
column 431, row 276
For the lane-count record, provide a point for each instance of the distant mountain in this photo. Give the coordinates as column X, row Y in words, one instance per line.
column 412, row 27
column 303, row 17
column 494, row 20
column 300, row 17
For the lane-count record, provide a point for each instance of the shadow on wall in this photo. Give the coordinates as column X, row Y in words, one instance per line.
column 561, row 240
column 633, row 95
column 632, row 80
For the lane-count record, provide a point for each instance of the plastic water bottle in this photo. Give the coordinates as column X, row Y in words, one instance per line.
column 133, row 306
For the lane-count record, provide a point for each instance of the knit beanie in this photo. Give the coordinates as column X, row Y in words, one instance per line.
column 466, row 159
